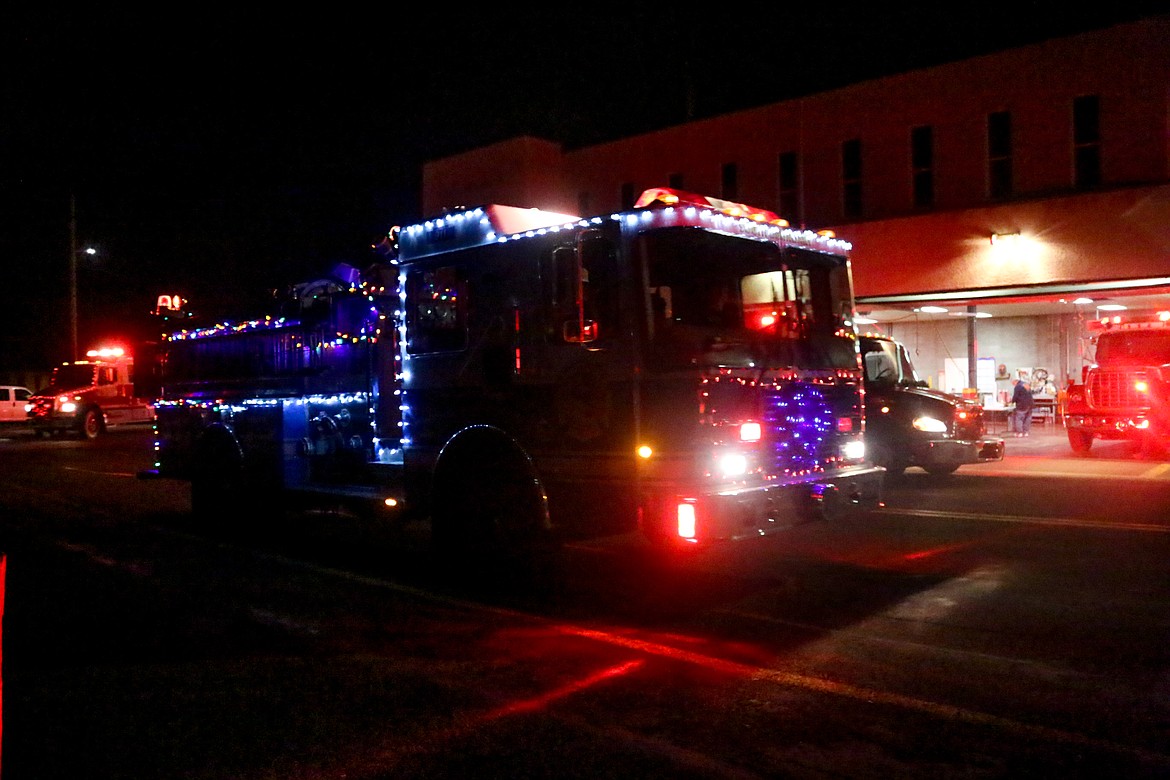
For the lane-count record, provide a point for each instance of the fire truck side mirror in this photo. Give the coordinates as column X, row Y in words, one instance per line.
column 576, row 332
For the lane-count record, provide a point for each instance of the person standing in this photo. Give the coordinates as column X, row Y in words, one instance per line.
column 1022, row 400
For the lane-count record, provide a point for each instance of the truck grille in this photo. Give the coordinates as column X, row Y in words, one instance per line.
column 798, row 420
column 1115, row 390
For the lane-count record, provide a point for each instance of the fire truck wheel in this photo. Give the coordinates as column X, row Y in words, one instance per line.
column 1153, row 448
column 489, row 513
column 1079, row 441
column 91, row 424
column 221, row 495
column 220, row 501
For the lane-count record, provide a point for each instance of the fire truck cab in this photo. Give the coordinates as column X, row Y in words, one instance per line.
column 1126, row 391
column 88, row 396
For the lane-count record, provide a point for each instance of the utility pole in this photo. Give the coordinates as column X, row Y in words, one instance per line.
column 72, row 277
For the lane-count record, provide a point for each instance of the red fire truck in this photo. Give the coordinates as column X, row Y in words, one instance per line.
column 1126, row 392
column 88, row 396
column 689, row 368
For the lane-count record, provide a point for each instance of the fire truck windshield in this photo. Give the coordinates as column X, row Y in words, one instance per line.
column 1137, row 347
column 69, row 377
column 718, row 300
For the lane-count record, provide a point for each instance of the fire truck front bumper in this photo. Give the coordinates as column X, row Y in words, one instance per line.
column 745, row 512
column 53, row 421
column 1115, row 426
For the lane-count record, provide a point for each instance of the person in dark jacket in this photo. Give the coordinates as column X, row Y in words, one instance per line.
column 1022, row 400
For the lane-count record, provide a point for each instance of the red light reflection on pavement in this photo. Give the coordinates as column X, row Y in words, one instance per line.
column 543, row 700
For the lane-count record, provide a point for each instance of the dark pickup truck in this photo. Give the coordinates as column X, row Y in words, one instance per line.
column 908, row 424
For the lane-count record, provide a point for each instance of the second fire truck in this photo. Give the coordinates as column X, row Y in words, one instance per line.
column 1126, row 391
column 688, row 368
column 89, row 396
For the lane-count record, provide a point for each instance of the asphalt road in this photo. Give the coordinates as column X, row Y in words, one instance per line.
column 1007, row 621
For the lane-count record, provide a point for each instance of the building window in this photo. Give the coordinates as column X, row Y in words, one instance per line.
column 1087, row 141
column 629, row 196
column 730, row 182
column 999, row 154
column 675, row 181
column 922, row 165
column 788, row 185
column 851, row 178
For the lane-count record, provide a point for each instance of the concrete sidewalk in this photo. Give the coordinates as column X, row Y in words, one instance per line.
column 1042, row 440
column 1051, row 441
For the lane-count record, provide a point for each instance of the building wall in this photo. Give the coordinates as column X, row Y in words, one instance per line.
column 1127, row 67
column 1115, row 234
column 522, row 172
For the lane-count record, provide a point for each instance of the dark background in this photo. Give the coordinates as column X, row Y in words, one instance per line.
column 223, row 153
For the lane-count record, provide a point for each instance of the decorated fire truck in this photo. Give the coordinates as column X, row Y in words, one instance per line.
column 517, row 377
column 1126, row 391
column 89, row 396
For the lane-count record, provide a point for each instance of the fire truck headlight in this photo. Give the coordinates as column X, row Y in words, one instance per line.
column 733, row 464
column 854, row 450
column 68, row 407
column 1142, row 386
column 750, row 431
column 930, row 425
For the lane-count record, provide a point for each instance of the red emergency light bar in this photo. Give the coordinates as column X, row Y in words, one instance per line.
column 1133, row 321
column 106, row 352
column 668, row 196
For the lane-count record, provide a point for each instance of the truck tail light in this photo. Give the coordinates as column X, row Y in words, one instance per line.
column 686, row 520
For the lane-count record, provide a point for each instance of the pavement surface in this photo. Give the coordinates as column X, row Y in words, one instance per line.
column 1051, row 440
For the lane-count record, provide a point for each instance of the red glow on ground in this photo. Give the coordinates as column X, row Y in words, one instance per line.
column 543, row 700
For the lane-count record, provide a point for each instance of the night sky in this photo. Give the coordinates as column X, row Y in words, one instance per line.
column 221, row 154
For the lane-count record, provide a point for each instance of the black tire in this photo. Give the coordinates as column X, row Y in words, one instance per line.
column 489, row 519
column 1153, row 447
column 222, row 496
column 882, row 455
column 213, row 499
column 1079, row 441
column 91, row 424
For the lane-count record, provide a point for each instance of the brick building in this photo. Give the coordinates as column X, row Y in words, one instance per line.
column 1003, row 188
